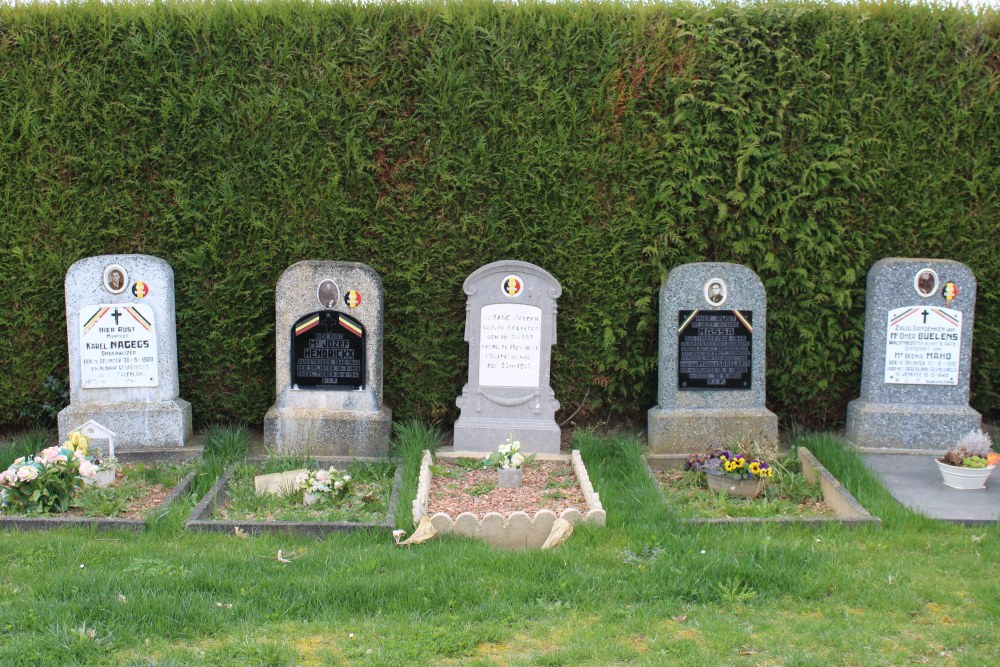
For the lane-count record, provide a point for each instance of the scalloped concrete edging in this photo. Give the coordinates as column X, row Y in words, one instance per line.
column 110, row 523
column 849, row 511
column 517, row 531
column 200, row 517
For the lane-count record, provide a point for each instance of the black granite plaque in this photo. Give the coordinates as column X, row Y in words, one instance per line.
column 714, row 349
column 328, row 352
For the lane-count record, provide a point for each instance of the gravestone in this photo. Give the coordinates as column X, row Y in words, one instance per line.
column 917, row 356
column 123, row 352
column 328, row 362
column 713, row 327
column 510, row 325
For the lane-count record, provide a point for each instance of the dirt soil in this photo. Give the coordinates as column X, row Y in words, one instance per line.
column 550, row 485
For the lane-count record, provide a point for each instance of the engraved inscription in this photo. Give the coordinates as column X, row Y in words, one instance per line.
column 118, row 346
column 714, row 349
column 510, row 339
column 923, row 346
column 328, row 352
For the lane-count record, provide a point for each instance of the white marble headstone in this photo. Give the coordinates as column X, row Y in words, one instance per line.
column 510, row 326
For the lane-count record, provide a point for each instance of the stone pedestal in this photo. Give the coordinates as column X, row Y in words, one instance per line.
column 510, row 325
column 919, row 317
column 713, row 326
column 120, row 325
column 328, row 364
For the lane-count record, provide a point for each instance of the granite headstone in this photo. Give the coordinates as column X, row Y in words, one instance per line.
column 713, row 327
column 917, row 357
column 120, row 326
column 328, row 362
column 510, row 326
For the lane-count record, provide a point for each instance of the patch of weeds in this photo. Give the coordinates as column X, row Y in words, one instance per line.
column 735, row 591
column 553, row 495
column 643, row 556
column 109, row 501
column 481, row 489
column 156, row 568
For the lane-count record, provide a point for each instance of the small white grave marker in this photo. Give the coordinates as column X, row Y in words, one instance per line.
column 94, row 431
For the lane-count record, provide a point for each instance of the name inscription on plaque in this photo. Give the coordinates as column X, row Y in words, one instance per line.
column 923, row 346
column 328, row 352
column 118, row 346
column 510, row 345
column 714, row 349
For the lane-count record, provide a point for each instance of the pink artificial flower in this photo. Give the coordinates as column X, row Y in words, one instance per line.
column 49, row 455
column 27, row 473
column 87, row 468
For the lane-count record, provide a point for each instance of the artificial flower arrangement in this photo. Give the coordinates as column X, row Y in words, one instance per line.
column 508, row 456
column 45, row 483
column 974, row 450
column 322, row 484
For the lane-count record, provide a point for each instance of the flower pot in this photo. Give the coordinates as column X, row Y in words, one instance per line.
column 959, row 477
column 101, row 479
column 104, row 478
column 733, row 486
column 310, row 498
column 509, row 479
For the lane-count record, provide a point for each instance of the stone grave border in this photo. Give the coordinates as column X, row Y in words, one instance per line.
column 517, row 530
column 199, row 519
column 113, row 523
column 849, row 512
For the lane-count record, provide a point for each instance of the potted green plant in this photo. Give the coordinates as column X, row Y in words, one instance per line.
column 508, row 460
column 970, row 463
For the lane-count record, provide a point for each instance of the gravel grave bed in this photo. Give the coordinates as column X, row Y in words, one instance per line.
column 463, row 485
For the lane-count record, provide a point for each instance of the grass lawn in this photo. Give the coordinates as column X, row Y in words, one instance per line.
column 646, row 590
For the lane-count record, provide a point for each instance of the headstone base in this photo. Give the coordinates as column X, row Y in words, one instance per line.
column 485, row 435
column 163, row 424
column 908, row 425
column 687, row 431
column 325, row 432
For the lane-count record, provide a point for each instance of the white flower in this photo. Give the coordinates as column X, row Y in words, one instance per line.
column 27, row 473
column 517, row 459
column 322, row 476
column 346, row 478
column 338, row 485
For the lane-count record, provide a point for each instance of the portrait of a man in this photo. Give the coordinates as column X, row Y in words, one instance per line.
column 114, row 279
column 715, row 292
column 328, row 294
column 926, row 282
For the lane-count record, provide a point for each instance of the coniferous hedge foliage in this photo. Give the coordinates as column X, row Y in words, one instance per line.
column 606, row 143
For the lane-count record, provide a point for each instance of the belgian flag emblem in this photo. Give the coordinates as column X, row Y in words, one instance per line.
column 140, row 289
column 950, row 292
column 353, row 298
column 512, row 286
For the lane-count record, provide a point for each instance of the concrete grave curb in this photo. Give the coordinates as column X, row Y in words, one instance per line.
column 111, row 523
column 849, row 511
column 216, row 496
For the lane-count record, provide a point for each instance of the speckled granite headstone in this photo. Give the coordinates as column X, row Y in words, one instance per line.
column 328, row 362
column 713, row 327
column 917, row 356
column 510, row 326
column 123, row 352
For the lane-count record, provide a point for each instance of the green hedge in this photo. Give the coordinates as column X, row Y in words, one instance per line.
column 606, row 143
